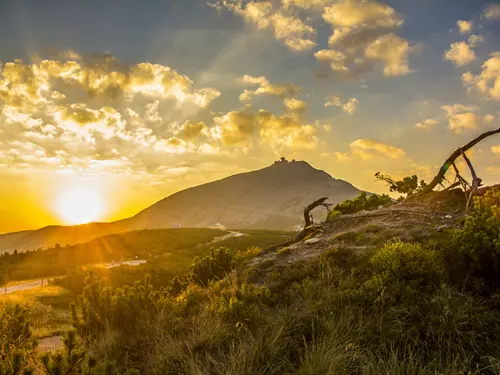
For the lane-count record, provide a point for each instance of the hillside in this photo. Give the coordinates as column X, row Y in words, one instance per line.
column 270, row 198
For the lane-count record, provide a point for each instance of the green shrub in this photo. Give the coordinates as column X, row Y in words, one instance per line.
column 212, row 267
column 403, row 271
column 359, row 204
column 478, row 242
column 408, row 185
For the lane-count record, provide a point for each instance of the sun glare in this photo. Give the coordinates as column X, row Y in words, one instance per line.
column 80, row 204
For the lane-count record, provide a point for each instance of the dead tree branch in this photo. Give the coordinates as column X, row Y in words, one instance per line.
column 451, row 159
column 307, row 211
column 475, row 180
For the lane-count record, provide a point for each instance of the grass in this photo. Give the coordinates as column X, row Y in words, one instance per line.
column 48, row 308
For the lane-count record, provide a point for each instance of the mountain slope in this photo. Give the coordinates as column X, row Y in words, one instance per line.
column 270, row 198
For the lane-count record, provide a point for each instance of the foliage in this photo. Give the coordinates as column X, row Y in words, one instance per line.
column 16, row 342
column 146, row 244
column 212, row 267
column 99, row 307
column 408, row 185
column 405, row 271
column 360, row 203
column 478, row 242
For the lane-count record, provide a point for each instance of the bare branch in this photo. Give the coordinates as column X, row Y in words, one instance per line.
column 451, row 159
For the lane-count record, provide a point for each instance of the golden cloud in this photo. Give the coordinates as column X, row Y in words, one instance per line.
column 464, row 27
column 266, row 88
column 349, row 107
column 191, row 130
column 461, row 118
column 428, row 123
column 28, row 84
column 367, row 148
column 460, row 54
column 361, row 38
column 296, row 106
column 361, row 14
column 287, row 28
column 488, row 81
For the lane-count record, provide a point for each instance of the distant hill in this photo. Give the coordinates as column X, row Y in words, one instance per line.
column 269, row 198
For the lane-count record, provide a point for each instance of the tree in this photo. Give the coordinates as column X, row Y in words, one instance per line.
column 408, row 185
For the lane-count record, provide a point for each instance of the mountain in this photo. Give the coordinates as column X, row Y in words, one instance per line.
column 270, row 198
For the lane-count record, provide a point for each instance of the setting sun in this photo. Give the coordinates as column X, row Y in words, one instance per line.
column 80, row 204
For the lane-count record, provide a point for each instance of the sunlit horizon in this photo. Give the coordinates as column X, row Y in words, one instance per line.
column 197, row 91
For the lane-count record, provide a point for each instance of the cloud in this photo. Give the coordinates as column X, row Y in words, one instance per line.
column 367, row 148
column 340, row 156
column 393, row 51
column 94, row 115
column 333, row 101
column 191, row 130
column 464, row 27
column 266, row 88
column 349, row 107
column 235, row 128
column 462, row 118
column 362, row 36
column 495, row 149
column 246, row 128
column 488, row 81
column 492, row 12
column 293, row 105
column 27, row 84
column 336, row 59
column 460, row 54
column 287, row 28
column 428, row 123
column 361, row 14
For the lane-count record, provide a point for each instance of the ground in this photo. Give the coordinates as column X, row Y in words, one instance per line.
column 418, row 218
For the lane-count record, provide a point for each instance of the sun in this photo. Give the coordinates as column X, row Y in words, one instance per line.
column 80, row 204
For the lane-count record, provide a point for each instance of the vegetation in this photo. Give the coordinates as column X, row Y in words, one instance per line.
column 399, row 308
column 143, row 244
column 408, row 185
column 360, row 203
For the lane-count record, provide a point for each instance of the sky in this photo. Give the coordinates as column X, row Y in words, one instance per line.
column 108, row 106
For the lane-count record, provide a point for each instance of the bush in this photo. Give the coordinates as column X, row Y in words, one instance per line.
column 408, row 185
column 359, row 204
column 478, row 242
column 402, row 271
column 212, row 267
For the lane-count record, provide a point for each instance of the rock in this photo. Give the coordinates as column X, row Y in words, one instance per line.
column 448, row 217
column 381, row 206
column 312, row 241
